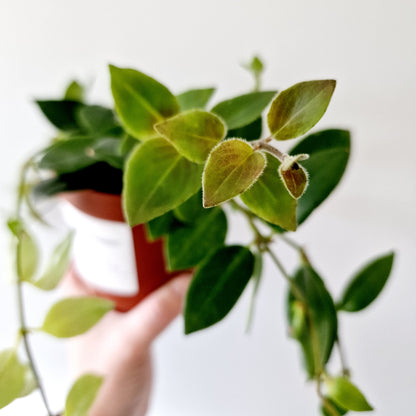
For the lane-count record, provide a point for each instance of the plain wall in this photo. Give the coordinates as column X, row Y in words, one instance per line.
column 369, row 47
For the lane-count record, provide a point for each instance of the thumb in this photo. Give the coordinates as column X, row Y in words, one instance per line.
column 150, row 317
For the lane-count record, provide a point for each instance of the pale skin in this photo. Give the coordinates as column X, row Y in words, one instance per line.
column 119, row 348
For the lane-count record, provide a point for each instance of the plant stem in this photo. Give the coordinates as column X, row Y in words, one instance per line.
column 262, row 144
column 325, row 402
column 24, row 333
column 344, row 366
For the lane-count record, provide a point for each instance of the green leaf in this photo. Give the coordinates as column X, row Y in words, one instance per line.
column 328, row 152
column 98, row 121
column 188, row 245
column 193, row 133
column 269, row 199
column 191, row 209
column 346, row 394
column 140, row 101
column 61, row 113
column 250, row 132
column 296, row 110
column 68, row 156
column 74, row 91
column 321, row 330
column 367, row 284
column 12, row 377
column 197, row 98
column 109, row 150
column 216, row 286
column 231, row 168
column 57, row 265
column 27, row 256
column 82, row 395
column 74, row 316
column 255, row 66
column 157, row 179
column 242, row 110
column 341, row 411
column 293, row 175
column 30, row 383
column 160, row 226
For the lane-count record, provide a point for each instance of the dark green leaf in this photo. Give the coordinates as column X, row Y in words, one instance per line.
column 191, row 209
column 157, row 179
column 109, row 150
column 328, row 151
column 12, row 377
column 74, row 91
column 188, row 245
column 242, row 110
column 98, row 121
column 296, row 110
column 367, row 284
column 216, row 286
column 269, row 199
column 321, row 329
column 141, row 101
column 193, row 133
column 250, row 132
column 197, row 98
column 57, row 266
column 346, row 394
column 231, row 168
column 82, row 395
column 61, row 113
column 74, row 316
column 160, row 226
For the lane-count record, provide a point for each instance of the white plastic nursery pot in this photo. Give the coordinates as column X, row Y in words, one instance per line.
column 112, row 260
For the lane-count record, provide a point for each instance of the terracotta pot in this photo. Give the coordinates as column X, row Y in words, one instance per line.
column 94, row 212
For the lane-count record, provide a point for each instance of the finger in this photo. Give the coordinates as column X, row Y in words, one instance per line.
column 148, row 319
column 72, row 285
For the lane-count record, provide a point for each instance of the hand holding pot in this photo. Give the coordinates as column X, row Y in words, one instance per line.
column 118, row 348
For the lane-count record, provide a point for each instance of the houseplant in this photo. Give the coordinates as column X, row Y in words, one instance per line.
column 154, row 150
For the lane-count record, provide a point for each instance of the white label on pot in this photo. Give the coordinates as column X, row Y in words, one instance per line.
column 103, row 252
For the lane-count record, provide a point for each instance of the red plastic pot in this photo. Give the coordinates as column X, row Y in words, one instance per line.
column 150, row 264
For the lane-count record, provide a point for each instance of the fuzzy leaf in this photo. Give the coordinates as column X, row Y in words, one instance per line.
column 140, row 101
column 157, row 179
column 346, row 394
column 197, row 98
column 216, row 286
column 296, row 110
column 231, row 168
column 82, row 395
column 74, row 316
column 242, row 110
column 328, row 152
column 367, row 284
column 189, row 245
column 193, row 133
column 269, row 199
column 12, row 377
column 293, row 175
column 57, row 266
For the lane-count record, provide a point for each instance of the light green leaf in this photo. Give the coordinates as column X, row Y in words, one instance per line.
column 197, row 98
column 328, row 152
column 188, row 245
column 367, row 284
column 242, row 110
column 27, row 256
column 74, row 91
column 61, row 113
column 296, row 110
column 157, row 179
column 255, row 66
column 82, row 395
column 216, row 286
column 231, row 168
column 193, row 133
column 346, row 394
column 140, row 101
column 12, row 377
column 30, row 383
column 74, row 316
column 321, row 312
column 57, row 266
column 269, row 199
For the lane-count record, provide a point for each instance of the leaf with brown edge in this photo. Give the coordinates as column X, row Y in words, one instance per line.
column 293, row 175
column 231, row 168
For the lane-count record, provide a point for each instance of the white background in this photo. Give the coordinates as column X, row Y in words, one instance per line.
column 369, row 47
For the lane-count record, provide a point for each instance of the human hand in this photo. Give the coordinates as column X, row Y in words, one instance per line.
column 118, row 348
